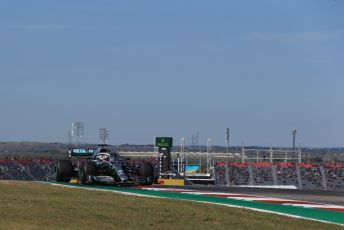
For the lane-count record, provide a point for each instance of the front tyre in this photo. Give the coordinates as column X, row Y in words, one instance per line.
column 64, row 171
column 146, row 169
column 88, row 171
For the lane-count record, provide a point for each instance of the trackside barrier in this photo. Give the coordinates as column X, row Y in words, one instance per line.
column 74, row 181
column 176, row 182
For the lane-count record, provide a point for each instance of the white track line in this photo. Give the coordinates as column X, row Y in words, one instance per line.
column 245, row 197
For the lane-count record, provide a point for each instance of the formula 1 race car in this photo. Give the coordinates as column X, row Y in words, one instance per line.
column 102, row 167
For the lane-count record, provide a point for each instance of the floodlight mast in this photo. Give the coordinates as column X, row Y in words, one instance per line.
column 104, row 134
column 77, row 131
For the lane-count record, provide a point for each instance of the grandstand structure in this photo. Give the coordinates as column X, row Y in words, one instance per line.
column 200, row 166
column 27, row 169
column 208, row 159
column 266, row 174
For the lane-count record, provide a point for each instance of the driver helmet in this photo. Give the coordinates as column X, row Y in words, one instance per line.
column 105, row 157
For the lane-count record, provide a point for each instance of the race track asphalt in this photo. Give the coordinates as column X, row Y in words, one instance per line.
column 318, row 196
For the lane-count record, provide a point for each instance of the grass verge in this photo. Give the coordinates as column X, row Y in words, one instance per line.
column 27, row 205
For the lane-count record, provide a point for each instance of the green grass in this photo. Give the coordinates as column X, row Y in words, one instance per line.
column 27, row 205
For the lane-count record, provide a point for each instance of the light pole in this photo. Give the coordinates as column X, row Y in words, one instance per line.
column 77, row 131
column 104, row 134
column 294, row 131
column 209, row 147
column 227, row 141
column 182, row 149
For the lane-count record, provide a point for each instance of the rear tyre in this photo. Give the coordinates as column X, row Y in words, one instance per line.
column 88, row 170
column 64, row 171
column 146, row 170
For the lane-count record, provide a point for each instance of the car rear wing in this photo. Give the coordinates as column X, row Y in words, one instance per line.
column 80, row 153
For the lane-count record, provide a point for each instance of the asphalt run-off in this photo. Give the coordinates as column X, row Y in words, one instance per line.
column 293, row 208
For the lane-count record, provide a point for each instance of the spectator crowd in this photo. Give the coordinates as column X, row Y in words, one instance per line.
column 305, row 176
column 40, row 169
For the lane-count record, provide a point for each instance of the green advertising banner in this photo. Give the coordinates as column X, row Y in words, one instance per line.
column 164, row 142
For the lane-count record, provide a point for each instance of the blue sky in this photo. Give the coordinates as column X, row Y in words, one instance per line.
column 173, row 68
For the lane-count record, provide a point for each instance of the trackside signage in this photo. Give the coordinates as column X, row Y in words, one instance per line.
column 81, row 152
column 163, row 142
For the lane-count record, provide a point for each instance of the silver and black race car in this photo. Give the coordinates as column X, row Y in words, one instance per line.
column 102, row 166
